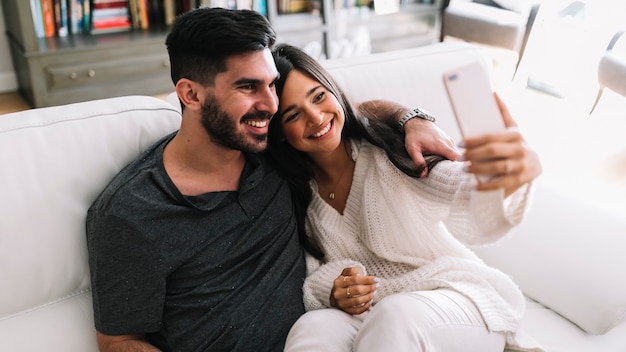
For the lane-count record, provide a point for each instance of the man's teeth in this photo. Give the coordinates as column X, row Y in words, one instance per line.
column 322, row 132
column 262, row 123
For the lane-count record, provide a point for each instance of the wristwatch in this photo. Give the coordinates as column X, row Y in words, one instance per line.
column 422, row 114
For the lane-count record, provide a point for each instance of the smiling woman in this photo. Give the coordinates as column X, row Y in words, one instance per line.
column 388, row 267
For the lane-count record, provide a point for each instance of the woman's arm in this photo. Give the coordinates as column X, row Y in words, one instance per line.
column 422, row 137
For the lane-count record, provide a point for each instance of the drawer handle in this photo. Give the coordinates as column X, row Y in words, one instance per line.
column 166, row 63
column 91, row 73
column 73, row 75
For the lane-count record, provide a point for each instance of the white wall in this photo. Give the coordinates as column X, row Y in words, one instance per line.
column 8, row 82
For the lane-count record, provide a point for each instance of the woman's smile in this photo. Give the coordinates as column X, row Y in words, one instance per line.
column 324, row 130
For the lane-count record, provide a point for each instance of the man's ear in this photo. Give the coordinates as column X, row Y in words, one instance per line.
column 188, row 93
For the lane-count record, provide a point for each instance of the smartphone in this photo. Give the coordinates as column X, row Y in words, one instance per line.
column 475, row 108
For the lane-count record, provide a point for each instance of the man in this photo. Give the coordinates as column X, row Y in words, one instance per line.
column 193, row 246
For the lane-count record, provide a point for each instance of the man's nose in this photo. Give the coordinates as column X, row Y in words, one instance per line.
column 268, row 101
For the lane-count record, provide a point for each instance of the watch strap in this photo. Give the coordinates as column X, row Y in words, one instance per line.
column 419, row 113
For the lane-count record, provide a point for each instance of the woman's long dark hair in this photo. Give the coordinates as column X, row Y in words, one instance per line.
column 295, row 165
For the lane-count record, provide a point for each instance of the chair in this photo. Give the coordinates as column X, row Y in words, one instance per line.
column 611, row 70
column 486, row 22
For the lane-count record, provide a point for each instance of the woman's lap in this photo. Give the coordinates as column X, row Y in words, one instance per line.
column 439, row 320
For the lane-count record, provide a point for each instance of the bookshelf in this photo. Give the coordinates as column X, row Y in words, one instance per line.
column 61, row 69
column 414, row 23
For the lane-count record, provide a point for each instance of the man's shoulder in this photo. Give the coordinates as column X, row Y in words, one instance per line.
column 134, row 176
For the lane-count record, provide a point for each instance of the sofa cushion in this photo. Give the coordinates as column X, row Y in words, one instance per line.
column 557, row 334
column 569, row 257
column 55, row 163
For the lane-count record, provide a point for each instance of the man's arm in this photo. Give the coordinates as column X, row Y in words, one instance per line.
column 422, row 137
column 124, row 343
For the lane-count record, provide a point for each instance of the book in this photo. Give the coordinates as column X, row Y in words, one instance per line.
column 156, row 13
column 260, row 6
column 169, row 7
column 47, row 11
column 75, row 14
column 35, row 8
column 60, row 18
column 133, row 11
column 103, row 4
column 86, row 22
column 109, row 16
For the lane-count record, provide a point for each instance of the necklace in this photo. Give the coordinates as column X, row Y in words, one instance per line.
column 331, row 195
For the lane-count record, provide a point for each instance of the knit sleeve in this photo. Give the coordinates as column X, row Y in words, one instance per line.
column 481, row 217
column 319, row 281
column 473, row 217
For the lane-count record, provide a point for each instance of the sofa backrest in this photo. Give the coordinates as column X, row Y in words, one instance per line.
column 55, row 161
column 413, row 77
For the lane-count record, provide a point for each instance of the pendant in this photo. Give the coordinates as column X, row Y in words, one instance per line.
column 331, row 195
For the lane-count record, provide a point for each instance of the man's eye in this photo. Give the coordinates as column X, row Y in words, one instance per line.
column 248, row 87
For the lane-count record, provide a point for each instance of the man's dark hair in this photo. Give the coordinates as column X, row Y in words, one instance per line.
column 202, row 39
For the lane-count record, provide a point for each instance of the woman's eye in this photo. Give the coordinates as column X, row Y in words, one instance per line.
column 319, row 97
column 291, row 117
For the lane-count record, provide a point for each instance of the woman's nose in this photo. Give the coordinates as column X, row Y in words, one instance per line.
column 314, row 116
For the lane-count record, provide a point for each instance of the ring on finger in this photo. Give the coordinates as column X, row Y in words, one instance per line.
column 507, row 167
column 348, row 291
column 344, row 280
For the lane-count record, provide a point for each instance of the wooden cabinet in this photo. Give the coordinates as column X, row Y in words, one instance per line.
column 61, row 70
column 115, row 65
column 79, row 67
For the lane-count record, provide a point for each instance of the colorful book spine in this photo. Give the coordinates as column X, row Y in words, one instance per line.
column 47, row 10
column 75, row 10
column 86, row 22
column 35, row 8
column 109, row 16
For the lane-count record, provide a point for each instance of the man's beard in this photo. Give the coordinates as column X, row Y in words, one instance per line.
column 223, row 129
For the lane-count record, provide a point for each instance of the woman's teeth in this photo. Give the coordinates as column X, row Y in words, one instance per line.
column 322, row 132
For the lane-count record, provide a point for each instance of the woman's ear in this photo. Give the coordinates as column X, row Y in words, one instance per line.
column 187, row 91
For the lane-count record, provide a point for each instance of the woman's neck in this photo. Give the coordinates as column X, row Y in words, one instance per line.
column 333, row 174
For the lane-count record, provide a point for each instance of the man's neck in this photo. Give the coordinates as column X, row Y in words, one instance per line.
column 197, row 165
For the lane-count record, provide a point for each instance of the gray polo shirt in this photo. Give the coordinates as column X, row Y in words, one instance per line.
column 222, row 271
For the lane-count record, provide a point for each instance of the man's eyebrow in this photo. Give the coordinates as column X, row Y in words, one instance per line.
column 248, row 80
column 245, row 80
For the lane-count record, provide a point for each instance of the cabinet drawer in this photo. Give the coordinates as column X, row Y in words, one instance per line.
column 72, row 76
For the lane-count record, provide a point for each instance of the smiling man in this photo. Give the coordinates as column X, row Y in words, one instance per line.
column 194, row 246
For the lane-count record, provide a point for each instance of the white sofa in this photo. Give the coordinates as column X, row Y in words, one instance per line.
column 566, row 256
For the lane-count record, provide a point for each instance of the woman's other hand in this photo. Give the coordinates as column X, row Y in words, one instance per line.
column 352, row 292
column 505, row 158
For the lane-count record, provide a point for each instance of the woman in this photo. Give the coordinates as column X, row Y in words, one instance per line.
column 388, row 269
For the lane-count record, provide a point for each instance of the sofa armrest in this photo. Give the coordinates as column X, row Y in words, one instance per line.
column 568, row 255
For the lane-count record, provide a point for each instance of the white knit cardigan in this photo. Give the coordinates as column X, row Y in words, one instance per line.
column 410, row 233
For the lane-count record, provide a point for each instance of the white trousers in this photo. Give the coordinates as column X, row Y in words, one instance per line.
column 427, row 321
